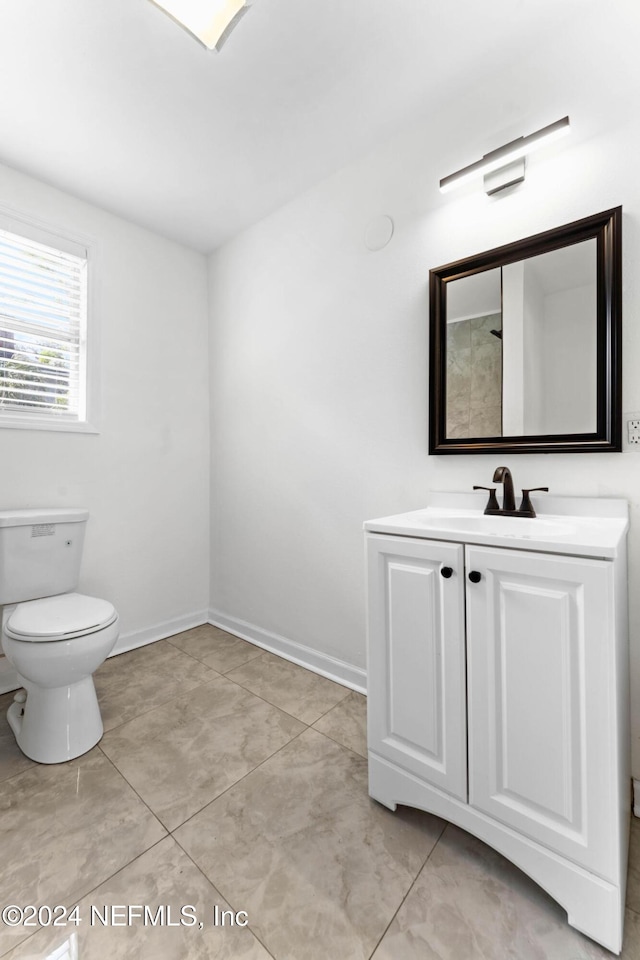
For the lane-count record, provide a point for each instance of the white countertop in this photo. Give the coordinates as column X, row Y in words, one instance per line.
column 580, row 526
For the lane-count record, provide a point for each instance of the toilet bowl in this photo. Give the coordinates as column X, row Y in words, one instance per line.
column 53, row 637
column 55, row 645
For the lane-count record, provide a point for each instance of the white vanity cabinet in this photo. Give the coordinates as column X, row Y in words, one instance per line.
column 499, row 702
column 416, row 674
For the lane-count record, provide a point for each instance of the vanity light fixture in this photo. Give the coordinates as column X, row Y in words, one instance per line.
column 506, row 165
column 209, row 21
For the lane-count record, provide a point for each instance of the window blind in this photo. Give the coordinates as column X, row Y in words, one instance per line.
column 43, row 305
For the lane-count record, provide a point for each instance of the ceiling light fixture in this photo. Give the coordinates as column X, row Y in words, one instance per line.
column 506, row 165
column 209, row 21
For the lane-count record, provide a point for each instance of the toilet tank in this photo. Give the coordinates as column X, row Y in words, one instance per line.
column 40, row 552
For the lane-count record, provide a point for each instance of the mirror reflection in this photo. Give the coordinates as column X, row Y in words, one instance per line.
column 474, row 355
column 521, row 347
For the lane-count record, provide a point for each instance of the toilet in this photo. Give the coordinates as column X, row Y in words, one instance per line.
column 54, row 637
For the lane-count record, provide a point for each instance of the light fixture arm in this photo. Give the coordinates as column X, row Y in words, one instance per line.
column 505, row 155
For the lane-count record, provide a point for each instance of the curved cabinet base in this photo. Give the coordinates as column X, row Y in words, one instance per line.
column 594, row 906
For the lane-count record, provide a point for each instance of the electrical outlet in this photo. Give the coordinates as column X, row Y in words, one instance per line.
column 633, row 431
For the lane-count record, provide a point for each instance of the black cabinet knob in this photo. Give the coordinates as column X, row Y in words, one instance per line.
column 475, row 576
column 446, row 572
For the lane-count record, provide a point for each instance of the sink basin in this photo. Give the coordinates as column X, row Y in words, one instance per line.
column 502, row 526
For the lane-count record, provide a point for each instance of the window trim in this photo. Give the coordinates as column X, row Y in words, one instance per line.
column 71, row 242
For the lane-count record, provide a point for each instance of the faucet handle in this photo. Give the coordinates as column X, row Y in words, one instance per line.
column 493, row 501
column 526, row 507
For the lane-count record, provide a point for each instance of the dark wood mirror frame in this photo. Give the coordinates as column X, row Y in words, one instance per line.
column 606, row 228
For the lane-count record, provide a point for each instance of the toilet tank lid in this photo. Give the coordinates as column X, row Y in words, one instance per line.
column 54, row 617
column 23, row 518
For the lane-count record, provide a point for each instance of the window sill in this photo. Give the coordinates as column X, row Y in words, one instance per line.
column 46, row 424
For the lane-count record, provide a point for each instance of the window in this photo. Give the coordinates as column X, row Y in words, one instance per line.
column 43, row 327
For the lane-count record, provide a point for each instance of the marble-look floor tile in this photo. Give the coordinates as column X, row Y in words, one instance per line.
column 65, row 829
column 135, row 682
column 470, row 902
column 182, row 755
column 633, row 876
column 12, row 759
column 347, row 723
column 319, row 867
column 163, row 877
column 631, row 944
column 216, row 648
column 303, row 694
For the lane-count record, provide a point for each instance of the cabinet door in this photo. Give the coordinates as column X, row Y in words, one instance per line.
column 540, row 655
column 416, row 661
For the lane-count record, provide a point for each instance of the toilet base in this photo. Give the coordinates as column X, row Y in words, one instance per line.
column 58, row 723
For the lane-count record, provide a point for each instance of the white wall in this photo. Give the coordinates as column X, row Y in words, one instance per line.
column 320, row 386
column 145, row 476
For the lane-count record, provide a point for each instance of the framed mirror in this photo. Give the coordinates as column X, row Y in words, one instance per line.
column 525, row 344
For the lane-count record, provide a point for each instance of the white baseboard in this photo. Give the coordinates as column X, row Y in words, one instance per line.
column 344, row 673
column 159, row 631
column 636, row 798
column 125, row 642
column 338, row 670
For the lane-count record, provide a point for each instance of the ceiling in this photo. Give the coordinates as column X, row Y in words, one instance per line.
column 112, row 102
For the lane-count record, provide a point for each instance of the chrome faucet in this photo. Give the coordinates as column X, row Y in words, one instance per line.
column 503, row 475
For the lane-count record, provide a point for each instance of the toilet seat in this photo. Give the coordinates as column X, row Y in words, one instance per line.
column 62, row 617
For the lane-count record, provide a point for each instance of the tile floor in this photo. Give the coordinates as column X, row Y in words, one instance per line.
column 231, row 780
